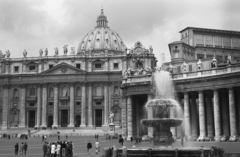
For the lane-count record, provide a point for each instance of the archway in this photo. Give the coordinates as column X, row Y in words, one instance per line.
column 50, row 121
column 77, row 120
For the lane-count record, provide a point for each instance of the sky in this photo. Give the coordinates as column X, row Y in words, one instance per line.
column 35, row 24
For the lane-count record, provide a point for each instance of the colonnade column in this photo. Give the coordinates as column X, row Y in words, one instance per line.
column 39, row 98
column 90, row 105
column 55, row 106
column 22, row 117
column 187, row 116
column 232, row 113
column 202, row 122
column 129, row 117
column 124, row 116
column 71, row 105
column 150, row 116
column 194, row 117
column 216, row 108
column 225, row 116
column 83, row 107
column 209, row 119
column 106, row 105
column 5, row 107
column 44, row 106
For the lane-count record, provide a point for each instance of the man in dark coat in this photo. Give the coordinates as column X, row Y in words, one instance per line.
column 44, row 149
column 89, row 146
column 16, row 149
column 25, row 148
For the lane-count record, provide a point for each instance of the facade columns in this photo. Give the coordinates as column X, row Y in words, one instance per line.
column 217, row 121
column 129, row 117
column 210, row 128
column 150, row 116
column 55, row 106
column 44, row 106
column 106, row 105
column 194, row 118
column 22, row 117
column 5, row 107
column 232, row 113
column 39, row 98
column 90, row 105
column 83, row 107
column 187, row 116
column 124, row 117
column 72, row 94
column 225, row 115
column 202, row 122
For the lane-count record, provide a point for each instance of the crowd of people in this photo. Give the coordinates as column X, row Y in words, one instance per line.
column 22, row 149
column 58, row 149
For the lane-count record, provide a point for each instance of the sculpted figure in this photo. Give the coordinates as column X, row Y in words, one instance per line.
column 199, row 65
column 25, row 53
column 125, row 73
column 7, row 54
column 214, row 62
column 111, row 117
column 1, row 55
column 229, row 59
column 56, row 51
column 148, row 71
column 40, row 52
column 171, row 68
column 65, row 50
column 46, row 52
column 150, row 49
column 72, row 51
column 184, row 67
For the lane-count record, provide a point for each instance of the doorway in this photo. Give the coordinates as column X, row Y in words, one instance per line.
column 31, row 119
column 50, row 121
column 64, row 118
column 77, row 121
column 98, row 119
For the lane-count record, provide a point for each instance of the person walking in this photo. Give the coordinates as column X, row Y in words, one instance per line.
column 45, row 149
column 64, row 148
column 58, row 149
column 131, row 139
column 97, row 146
column 16, row 149
column 25, row 148
column 53, row 148
column 21, row 149
column 89, row 146
column 42, row 138
column 48, row 150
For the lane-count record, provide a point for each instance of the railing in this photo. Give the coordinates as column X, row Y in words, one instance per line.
column 210, row 72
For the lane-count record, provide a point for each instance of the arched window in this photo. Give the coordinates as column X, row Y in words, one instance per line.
column 32, row 91
column 78, row 91
column 50, row 92
column 99, row 91
column 65, row 92
column 15, row 93
column 116, row 90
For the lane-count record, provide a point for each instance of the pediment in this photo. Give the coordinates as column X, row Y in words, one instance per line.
column 63, row 68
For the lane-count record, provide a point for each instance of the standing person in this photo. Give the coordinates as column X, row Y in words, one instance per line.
column 16, row 149
column 25, row 148
column 97, row 146
column 53, row 148
column 48, row 150
column 42, row 138
column 58, row 137
column 44, row 149
column 131, row 139
column 182, row 142
column 58, row 149
column 64, row 148
column 89, row 146
column 97, row 136
column 66, row 137
column 21, row 149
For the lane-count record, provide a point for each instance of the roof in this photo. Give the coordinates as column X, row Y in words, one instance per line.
column 211, row 30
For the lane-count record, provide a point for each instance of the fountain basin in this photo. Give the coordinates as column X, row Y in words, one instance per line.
column 158, row 122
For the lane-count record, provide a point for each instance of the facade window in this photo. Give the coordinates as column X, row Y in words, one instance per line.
column 116, row 91
column 65, row 92
column 78, row 103
column 200, row 56
column 190, row 67
column 15, row 93
column 50, row 66
column 98, row 103
column 178, row 69
column 98, row 66
column 99, row 91
column 78, row 92
column 32, row 67
column 32, row 91
column 115, row 65
column 50, row 92
column 16, row 69
column 31, row 104
column 78, row 66
column 182, row 36
column 50, row 104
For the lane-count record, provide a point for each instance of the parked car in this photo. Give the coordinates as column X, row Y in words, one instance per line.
column 203, row 138
column 224, row 138
column 146, row 138
column 233, row 138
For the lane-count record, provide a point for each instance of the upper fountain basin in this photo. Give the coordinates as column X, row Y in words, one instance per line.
column 156, row 122
column 162, row 102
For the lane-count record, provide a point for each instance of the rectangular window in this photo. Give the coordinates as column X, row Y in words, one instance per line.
column 208, row 40
column 198, row 40
column 178, row 69
column 190, row 67
column 226, row 42
column 16, row 69
column 235, row 43
column 31, row 104
column 50, row 104
column 200, row 56
column 98, row 103
column 78, row 66
column 78, row 103
column 98, row 66
column 50, row 66
column 115, row 65
column 218, row 41
column 32, row 67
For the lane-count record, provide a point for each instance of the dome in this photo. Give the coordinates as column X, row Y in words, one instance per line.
column 101, row 38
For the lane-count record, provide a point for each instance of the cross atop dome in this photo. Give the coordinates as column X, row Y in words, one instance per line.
column 102, row 20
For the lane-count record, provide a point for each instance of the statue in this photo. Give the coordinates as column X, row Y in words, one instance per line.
column 199, row 65
column 184, row 67
column 73, row 51
column 148, row 71
column 56, row 51
column 1, row 55
column 229, row 59
column 150, row 49
column 7, row 54
column 111, row 117
column 65, row 50
column 25, row 53
column 214, row 63
column 46, row 52
column 171, row 68
column 40, row 52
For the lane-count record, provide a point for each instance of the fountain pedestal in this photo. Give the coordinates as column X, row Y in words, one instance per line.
column 111, row 130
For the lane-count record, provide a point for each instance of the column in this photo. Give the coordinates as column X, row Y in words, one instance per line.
column 194, row 118
column 124, row 117
column 5, row 107
column 202, row 123
column 150, row 116
column 232, row 113
column 209, row 119
column 129, row 117
column 71, row 105
column 105, row 105
column 44, row 106
column 136, row 115
column 22, row 117
column 55, row 106
column 39, row 98
column 83, row 107
column 225, row 116
column 187, row 116
column 90, row 105
column 217, row 122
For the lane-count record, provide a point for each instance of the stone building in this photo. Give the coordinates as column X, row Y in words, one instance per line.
column 74, row 88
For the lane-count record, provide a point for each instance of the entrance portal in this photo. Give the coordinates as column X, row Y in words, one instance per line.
column 64, row 118
column 31, row 118
column 50, row 121
column 98, row 119
column 77, row 121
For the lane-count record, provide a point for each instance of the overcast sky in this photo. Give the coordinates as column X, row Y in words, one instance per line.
column 35, row 24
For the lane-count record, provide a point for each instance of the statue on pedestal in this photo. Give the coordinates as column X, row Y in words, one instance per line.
column 7, row 54
column 184, row 67
column 73, row 51
column 111, row 117
column 1, row 55
column 65, row 50
column 40, row 52
column 229, row 59
column 46, row 52
column 199, row 65
column 56, row 51
column 214, row 62
column 25, row 53
column 150, row 49
column 171, row 68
